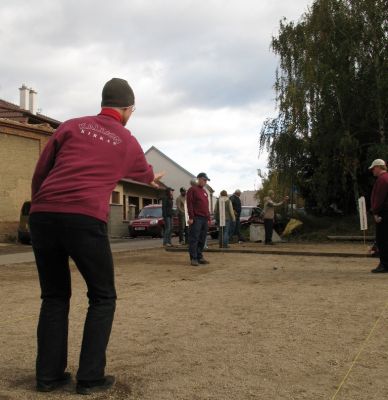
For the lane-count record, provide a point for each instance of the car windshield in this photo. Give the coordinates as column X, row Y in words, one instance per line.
column 246, row 212
column 154, row 212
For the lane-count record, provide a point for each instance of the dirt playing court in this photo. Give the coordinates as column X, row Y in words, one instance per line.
column 248, row 326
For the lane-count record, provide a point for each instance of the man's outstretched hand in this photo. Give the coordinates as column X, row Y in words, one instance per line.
column 157, row 177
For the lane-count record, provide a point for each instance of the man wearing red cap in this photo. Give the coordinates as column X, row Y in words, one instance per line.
column 379, row 208
column 73, row 180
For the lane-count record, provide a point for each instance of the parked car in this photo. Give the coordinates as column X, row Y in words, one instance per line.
column 24, row 227
column 251, row 214
column 150, row 222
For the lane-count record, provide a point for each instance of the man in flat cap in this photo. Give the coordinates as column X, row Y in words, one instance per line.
column 379, row 208
column 198, row 209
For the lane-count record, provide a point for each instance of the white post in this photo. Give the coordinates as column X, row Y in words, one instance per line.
column 362, row 212
column 221, row 207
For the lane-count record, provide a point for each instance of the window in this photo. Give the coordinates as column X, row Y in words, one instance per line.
column 115, row 197
column 151, row 212
column 146, row 202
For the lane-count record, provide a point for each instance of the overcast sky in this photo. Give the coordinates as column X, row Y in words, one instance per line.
column 202, row 72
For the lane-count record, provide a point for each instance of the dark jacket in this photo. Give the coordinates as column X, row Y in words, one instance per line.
column 167, row 204
column 236, row 203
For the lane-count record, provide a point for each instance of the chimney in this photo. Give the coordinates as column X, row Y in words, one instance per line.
column 24, row 97
column 33, row 104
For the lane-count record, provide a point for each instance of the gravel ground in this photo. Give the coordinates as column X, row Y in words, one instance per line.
column 247, row 326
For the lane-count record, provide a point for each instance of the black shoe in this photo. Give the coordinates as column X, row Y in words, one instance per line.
column 194, row 263
column 90, row 387
column 379, row 270
column 49, row 386
column 203, row 261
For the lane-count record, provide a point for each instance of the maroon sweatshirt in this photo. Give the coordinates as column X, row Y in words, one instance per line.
column 197, row 202
column 82, row 163
column 379, row 197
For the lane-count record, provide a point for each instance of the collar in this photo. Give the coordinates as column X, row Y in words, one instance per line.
column 110, row 112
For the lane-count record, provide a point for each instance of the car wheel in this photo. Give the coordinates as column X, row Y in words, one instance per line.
column 214, row 235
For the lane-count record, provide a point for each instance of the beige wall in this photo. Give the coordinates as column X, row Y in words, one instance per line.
column 18, row 157
column 20, row 146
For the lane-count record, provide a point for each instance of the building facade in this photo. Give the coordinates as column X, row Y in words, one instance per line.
column 176, row 176
column 20, row 147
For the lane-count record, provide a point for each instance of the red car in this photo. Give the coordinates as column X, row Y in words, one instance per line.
column 150, row 222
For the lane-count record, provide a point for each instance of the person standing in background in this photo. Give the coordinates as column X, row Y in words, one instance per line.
column 269, row 215
column 235, row 226
column 180, row 205
column 167, row 213
column 223, row 232
column 71, row 187
column 198, row 210
column 379, row 208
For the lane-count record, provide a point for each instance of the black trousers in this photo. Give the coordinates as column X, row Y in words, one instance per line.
column 197, row 237
column 268, row 229
column 56, row 237
column 382, row 239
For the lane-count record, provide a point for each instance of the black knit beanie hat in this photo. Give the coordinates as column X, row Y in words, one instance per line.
column 117, row 93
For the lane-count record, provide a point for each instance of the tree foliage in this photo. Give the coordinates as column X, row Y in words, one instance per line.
column 332, row 97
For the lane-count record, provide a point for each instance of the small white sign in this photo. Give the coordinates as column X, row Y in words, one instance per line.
column 362, row 211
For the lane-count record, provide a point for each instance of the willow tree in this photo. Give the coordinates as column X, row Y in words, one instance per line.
column 331, row 96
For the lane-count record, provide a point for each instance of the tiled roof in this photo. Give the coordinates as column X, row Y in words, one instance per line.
column 14, row 112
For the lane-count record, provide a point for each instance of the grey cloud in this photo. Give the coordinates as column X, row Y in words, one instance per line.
column 213, row 55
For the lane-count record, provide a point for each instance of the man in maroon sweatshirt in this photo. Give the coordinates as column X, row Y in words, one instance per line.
column 379, row 208
column 198, row 209
column 71, row 187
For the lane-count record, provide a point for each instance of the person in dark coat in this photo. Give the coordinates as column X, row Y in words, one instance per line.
column 235, row 226
column 167, row 213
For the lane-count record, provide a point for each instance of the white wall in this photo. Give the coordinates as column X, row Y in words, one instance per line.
column 175, row 177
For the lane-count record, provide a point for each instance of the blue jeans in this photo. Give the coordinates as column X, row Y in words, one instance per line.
column 167, row 230
column 223, row 234
column 55, row 238
column 197, row 237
